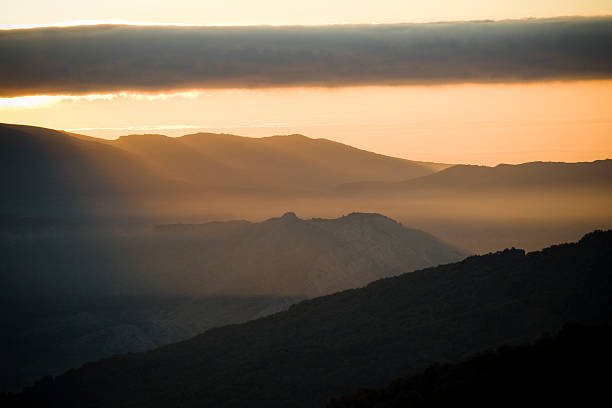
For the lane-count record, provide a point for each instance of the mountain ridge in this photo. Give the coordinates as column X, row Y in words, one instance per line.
column 235, row 154
column 98, row 175
column 285, row 255
column 530, row 174
column 348, row 244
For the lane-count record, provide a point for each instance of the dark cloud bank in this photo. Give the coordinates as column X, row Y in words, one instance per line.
column 111, row 58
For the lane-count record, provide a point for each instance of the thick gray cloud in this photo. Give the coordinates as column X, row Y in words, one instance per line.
column 112, row 58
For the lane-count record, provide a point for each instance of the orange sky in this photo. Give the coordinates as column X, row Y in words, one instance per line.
column 284, row 12
column 480, row 124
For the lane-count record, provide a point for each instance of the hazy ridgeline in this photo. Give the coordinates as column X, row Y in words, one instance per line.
column 284, row 256
column 152, row 179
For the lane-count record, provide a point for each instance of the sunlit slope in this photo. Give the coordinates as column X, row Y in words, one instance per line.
column 48, row 171
column 51, row 172
column 292, row 162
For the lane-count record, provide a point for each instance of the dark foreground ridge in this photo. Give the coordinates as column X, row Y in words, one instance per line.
column 366, row 337
column 557, row 371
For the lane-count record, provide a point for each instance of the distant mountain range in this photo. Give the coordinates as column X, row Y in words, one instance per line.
column 292, row 162
column 366, row 337
column 535, row 175
column 48, row 163
column 43, row 160
column 54, row 177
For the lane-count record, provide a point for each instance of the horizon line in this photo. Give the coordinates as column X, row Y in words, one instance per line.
column 123, row 22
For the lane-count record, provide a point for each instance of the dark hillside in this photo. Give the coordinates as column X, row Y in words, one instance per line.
column 366, row 337
column 556, row 371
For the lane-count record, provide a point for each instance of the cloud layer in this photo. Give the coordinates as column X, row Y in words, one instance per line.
column 79, row 60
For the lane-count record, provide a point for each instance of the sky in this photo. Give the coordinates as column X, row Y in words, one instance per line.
column 479, row 93
column 288, row 12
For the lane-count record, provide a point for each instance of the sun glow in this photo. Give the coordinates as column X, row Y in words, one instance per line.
column 34, row 101
column 78, row 23
column 469, row 123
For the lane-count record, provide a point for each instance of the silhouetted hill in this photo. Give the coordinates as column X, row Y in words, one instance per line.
column 48, row 171
column 366, row 337
column 280, row 256
column 54, row 173
column 38, row 158
column 293, row 162
column 548, row 175
column 563, row 370
column 45, row 163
